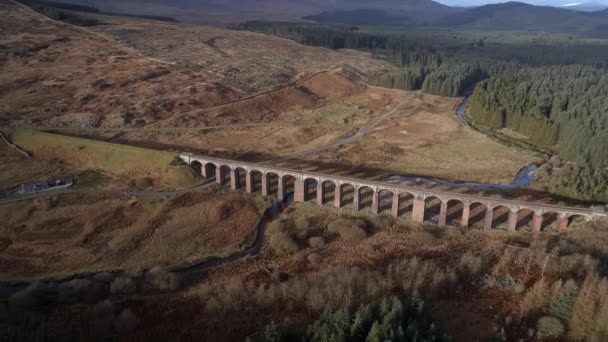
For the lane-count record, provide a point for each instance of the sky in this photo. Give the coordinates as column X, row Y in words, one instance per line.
column 533, row 2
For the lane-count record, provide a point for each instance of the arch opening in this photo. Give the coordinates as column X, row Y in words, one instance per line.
column 272, row 182
column 500, row 217
column 550, row 222
column 329, row 192
column 406, row 205
column 210, row 170
column 575, row 221
column 524, row 219
column 197, row 167
column 288, row 185
column 225, row 174
column 477, row 215
column 256, row 181
column 348, row 195
column 366, row 195
column 385, row 201
column 310, row 189
column 240, row 175
column 454, row 214
column 432, row 208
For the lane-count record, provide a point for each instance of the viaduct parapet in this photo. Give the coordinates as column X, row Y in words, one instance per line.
column 386, row 197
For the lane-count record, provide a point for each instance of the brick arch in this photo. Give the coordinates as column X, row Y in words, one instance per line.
column 310, row 188
column 574, row 219
column 432, row 209
column 550, row 221
column 454, row 212
column 255, row 180
column 197, row 166
column 524, row 219
column 327, row 195
column 385, row 200
column 500, row 216
column 270, row 183
column 347, row 194
column 238, row 178
column 222, row 175
column 366, row 197
column 286, row 185
column 477, row 214
column 405, row 204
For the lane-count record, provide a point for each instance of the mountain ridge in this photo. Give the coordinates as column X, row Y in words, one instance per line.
column 502, row 16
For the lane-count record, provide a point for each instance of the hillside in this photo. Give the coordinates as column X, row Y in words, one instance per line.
column 520, row 16
column 503, row 16
column 132, row 72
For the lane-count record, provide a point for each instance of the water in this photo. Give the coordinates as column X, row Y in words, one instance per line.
column 524, row 178
column 460, row 110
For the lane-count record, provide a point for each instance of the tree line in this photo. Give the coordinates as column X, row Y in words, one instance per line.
column 392, row 319
column 430, row 63
column 565, row 106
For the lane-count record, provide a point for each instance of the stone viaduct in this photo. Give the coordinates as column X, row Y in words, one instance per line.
column 232, row 171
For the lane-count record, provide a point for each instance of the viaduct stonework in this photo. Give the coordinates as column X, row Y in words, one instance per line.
column 386, row 197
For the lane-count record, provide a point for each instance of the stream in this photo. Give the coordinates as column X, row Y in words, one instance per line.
column 52, row 287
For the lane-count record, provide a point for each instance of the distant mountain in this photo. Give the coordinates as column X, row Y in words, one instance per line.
column 409, row 12
column 521, row 16
column 503, row 16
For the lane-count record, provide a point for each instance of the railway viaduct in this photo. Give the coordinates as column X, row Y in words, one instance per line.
column 304, row 183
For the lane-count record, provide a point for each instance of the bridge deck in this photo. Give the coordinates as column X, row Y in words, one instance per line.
column 420, row 192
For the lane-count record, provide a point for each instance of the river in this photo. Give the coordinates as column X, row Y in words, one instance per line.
column 525, row 177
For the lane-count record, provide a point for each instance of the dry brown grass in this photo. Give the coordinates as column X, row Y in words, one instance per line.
column 87, row 233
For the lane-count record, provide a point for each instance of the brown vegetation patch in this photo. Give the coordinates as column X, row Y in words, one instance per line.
column 332, row 85
column 87, row 232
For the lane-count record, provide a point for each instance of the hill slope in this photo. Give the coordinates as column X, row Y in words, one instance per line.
column 520, row 16
column 503, row 16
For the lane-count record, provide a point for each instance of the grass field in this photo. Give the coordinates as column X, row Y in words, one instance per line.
column 129, row 164
column 426, row 139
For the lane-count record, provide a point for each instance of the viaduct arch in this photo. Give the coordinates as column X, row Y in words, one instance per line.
column 231, row 171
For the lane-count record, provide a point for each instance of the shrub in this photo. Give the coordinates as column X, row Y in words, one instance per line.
column 274, row 227
column 535, row 298
column 316, row 242
column 80, row 291
column 125, row 322
column 548, row 326
column 282, row 243
column 470, row 263
column 302, row 223
column 590, row 312
column 122, row 286
column 29, row 296
column 563, row 297
column 160, row 279
column 314, row 258
column 349, row 230
column 102, row 317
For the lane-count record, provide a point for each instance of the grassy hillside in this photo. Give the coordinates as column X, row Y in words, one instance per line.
column 132, row 165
